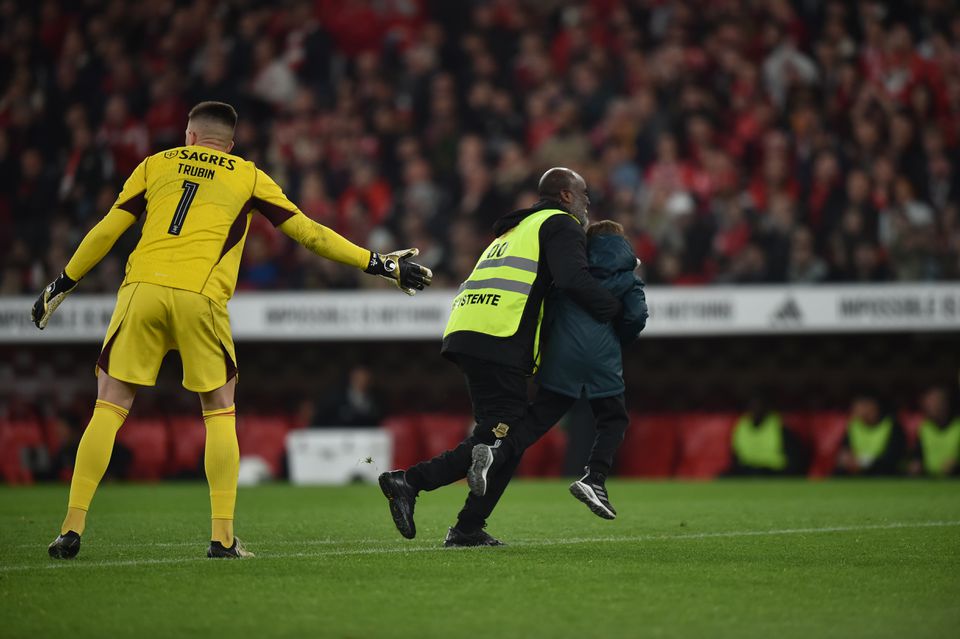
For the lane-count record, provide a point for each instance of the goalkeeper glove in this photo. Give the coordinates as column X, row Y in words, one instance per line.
column 51, row 297
column 409, row 277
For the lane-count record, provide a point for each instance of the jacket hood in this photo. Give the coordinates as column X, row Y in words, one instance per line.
column 510, row 220
column 609, row 255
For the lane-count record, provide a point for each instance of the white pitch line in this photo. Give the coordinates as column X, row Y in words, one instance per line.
column 515, row 544
column 184, row 544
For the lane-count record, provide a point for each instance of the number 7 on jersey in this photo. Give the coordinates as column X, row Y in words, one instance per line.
column 189, row 192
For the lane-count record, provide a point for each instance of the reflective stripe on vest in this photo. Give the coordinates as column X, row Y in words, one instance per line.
column 939, row 446
column 492, row 300
column 760, row 446
column 867, row 443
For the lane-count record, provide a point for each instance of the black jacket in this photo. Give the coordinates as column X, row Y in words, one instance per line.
column 563, row 263
column 582, row 356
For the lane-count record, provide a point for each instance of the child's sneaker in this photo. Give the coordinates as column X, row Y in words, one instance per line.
column 591, row 490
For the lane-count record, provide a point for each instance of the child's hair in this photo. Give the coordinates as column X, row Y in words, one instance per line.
column 605, row 227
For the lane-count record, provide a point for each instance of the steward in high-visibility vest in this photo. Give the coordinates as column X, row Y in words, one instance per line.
column 493, row 337
column 497, row 312
column 762, row 445
column 939, row 447
column 873, row 445
column 937, row 453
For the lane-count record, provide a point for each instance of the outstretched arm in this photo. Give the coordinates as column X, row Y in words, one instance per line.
column 270, row 201
column 325, row 242
column 94, row 246
column 98, row 242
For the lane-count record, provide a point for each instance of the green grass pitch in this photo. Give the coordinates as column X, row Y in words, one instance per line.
column 726, row 559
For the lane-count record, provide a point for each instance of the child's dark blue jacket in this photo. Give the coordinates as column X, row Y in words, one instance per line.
column 580, row 355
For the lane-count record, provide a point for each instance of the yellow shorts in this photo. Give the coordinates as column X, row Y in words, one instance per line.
column 151, row 320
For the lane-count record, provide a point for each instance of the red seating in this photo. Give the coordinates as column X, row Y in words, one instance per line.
column 650, row 446
column 799, row 425
column 689, row 445
column 53, row 434
column 187, row 440
column 826, row 434
column 15, row 437
column 911, row 426
column 407, row 444
column 442, row 431
column 264, row 436
column 147, row 438
column 545, row 457
column 704, row 444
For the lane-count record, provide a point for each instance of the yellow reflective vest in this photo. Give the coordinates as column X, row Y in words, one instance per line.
column 939, row 446
column 869, row 442
column 493, row 299
column 760, row 445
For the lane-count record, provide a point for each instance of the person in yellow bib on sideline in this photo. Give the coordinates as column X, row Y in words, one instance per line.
column 761, row 444
column 196, row 202
column 875, row 444
column 937, row 453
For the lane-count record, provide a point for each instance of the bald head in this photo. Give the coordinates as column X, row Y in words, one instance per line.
column 559, row 179
column 567, row 187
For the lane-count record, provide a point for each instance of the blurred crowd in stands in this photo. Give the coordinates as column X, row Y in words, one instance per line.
column 738, row 141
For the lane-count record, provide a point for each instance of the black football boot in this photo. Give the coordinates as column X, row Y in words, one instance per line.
column 236, row 551
column 65, row 546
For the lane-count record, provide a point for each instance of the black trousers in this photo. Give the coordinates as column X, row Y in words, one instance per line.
column 610, row 415
column 547, row 409
column 499, row 396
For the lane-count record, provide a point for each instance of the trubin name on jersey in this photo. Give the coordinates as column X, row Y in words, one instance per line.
column 196, row 171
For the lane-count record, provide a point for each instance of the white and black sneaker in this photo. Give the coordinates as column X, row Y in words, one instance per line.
column 591, row 490
column 484, row 458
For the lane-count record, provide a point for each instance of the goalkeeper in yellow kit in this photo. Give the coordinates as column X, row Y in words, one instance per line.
column 196, row 202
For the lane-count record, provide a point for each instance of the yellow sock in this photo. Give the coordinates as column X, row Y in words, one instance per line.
column 93, row 456
column 221, row 460
column 222, row 530
column 76, row 521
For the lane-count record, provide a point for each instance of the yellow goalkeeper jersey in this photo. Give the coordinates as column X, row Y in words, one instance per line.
column 196, row 204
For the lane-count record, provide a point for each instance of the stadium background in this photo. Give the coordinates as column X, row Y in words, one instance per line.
column 745, row 144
